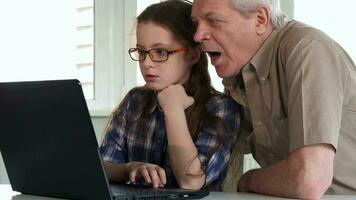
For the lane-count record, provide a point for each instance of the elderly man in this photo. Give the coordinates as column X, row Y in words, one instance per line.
column 298, row 89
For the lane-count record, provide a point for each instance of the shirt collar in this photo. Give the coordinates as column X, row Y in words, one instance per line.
column 155, row 105
column 262, row 60
column 229, row 83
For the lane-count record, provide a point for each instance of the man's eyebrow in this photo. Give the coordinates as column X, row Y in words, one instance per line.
column 206, row 15
column 211, row 14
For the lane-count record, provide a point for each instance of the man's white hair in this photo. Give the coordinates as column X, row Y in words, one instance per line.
column 246, row 7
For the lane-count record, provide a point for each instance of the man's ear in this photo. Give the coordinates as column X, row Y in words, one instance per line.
column 194, row 56
column 263, row 21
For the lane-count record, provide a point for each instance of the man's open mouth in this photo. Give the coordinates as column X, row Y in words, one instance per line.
column 214, row 56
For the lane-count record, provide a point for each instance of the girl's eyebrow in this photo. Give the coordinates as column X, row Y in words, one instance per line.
column 156, row 45
column 160, row 45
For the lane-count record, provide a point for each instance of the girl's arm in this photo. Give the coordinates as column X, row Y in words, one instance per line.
column 183, row 154
column 113, row 149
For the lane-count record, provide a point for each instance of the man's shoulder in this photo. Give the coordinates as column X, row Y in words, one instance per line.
column 294, row 32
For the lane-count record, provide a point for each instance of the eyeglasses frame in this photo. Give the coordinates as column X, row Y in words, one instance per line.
column 131, row 50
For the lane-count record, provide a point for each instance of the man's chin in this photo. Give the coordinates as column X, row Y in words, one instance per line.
column 222, row 72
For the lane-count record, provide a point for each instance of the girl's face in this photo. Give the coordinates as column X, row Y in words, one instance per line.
column 175, row 70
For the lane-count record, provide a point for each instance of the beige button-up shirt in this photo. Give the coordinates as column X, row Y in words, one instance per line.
column 299, row 89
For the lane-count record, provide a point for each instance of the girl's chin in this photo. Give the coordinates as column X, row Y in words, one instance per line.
column 154, row 87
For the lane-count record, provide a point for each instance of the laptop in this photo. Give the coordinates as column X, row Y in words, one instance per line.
column 49, row 146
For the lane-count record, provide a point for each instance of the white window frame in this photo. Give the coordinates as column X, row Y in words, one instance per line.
column 114, row 72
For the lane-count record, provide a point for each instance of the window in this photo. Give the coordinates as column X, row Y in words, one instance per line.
column 44, row 40
column 115, row 74
column 333, row 17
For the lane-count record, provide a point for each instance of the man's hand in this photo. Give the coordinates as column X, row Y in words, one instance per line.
column 151, row 173
column 244, row 182
column 306, row 174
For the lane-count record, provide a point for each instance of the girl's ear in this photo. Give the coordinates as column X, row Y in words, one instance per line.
column 194, row 56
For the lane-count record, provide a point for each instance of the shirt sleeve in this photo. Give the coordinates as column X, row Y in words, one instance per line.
column 228, row 111
column 316, row 77
column 113, row 148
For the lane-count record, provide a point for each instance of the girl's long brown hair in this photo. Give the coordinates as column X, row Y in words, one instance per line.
column 174, row 15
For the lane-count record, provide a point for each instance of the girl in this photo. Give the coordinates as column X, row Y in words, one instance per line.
column 177, row 130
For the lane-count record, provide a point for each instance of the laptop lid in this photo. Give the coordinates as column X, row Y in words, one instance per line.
column 49, row 146
column 48, row 142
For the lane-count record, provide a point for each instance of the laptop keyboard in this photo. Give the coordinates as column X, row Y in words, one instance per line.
column 146, row 193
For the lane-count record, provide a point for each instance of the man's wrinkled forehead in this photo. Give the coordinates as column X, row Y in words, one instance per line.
column 202, row 8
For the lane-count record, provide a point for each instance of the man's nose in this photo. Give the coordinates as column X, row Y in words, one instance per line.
column 201, row 34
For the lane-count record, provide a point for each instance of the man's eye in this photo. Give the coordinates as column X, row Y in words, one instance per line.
column 213, row 21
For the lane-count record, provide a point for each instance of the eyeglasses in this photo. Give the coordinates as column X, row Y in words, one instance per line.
column 156, row 55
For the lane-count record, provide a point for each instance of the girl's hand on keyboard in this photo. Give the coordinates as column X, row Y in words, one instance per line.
column 151, row 173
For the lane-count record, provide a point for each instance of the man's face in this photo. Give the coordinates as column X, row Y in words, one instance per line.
column 229, row 38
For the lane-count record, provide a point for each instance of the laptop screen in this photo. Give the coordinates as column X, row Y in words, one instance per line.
column 47, row 140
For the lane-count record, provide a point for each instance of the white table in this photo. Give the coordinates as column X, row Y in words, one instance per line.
column 6, row 193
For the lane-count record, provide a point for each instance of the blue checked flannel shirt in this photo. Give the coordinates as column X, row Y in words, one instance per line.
column 123, row 143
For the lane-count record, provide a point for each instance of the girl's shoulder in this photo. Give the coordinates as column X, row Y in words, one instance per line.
column 137, row 94
column 220, row 98
column 137, row 100
column 223, row 103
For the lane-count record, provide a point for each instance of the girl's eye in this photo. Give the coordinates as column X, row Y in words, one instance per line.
column 161, row 51
column 141, row 52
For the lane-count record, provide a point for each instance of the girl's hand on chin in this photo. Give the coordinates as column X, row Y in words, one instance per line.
column 174, row 97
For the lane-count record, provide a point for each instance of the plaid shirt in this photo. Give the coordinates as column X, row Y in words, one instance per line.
column 124, row 143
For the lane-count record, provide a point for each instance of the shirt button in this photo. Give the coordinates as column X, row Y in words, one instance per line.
column 259, row 123
column 263, row 78
column 159, row 141
column 271, row 155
